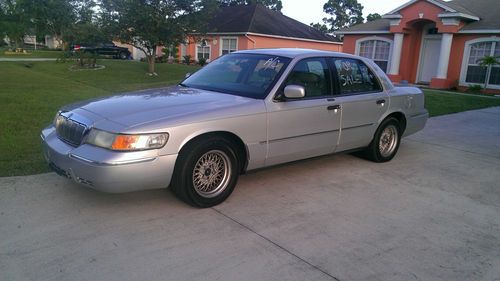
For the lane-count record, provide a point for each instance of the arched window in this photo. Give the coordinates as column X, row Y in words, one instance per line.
column 472, row 71
column 376, row 49
column 202, row 51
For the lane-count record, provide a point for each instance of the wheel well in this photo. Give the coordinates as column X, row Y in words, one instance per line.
column 401, row 119
column 241, row 149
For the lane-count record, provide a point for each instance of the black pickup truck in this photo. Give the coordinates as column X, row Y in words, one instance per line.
column 105, row 49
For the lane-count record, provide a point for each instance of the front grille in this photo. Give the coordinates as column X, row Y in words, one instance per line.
column 70, row 130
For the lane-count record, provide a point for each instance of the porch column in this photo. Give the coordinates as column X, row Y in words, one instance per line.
column 396, row 54
column 444, row 56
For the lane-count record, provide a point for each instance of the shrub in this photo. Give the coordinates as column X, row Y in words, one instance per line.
column 202, row 61
column 454, row 87
column 65, row 56
column 171, row 52
column 474, row 89
column 87, row 60
column 161, row 59
column 187, row 59
column 174, row 52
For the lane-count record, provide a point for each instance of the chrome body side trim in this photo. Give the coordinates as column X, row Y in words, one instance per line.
column 300, row 136
column 125, row 162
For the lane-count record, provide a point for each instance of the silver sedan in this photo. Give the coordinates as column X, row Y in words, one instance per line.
column 244, row 111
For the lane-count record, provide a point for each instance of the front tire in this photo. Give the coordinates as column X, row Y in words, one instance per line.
column 206, row 172
column 385, row 143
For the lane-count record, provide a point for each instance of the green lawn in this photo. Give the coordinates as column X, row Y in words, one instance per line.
column 440, row 103
column 31, row 93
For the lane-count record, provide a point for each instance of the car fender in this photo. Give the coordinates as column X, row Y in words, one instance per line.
column 201, row 132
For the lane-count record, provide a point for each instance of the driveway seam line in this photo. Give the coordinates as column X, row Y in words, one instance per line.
column 453, row 148
column 276, row 244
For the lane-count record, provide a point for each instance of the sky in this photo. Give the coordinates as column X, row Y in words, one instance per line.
column 311, row 11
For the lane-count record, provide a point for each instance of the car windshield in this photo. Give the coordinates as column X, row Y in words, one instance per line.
column 248, row 75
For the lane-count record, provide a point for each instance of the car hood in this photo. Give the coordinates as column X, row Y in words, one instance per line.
column 168, row 106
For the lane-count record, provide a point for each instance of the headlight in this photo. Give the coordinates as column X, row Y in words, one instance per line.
column 56, row 118
column 122, row 142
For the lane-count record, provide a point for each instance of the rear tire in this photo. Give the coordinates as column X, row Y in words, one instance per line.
column 385, row 143
column 206, row 172
column 122, row 56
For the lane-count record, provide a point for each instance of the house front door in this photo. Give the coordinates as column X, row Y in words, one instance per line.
column 429, row 59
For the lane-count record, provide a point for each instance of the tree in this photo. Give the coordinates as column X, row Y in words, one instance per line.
column 275, row 5
column 344, row 13
column 148, row 24
column 14, row 22
column 35, row 17
column 487, row 62
column 372, row 17
column 87, row 30
column 3, row 20
column 52, row 17
column 321, row 27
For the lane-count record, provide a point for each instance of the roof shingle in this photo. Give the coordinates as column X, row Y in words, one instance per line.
column 376, row 25
column 258, row 19
column 486, row 10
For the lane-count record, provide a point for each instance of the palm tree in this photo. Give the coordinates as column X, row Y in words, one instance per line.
column 488, row 61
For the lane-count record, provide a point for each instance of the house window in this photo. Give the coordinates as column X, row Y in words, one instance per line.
column 376, row 50
column 229, row 45
column 203, row 52
column 476, row 74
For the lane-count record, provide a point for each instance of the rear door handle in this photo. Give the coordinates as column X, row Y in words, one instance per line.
column 381, row 101
column 333, row 107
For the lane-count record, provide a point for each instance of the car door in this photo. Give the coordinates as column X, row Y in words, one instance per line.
column 99, row 49
column 108, row 49
column 362, row 99
column 305, row 127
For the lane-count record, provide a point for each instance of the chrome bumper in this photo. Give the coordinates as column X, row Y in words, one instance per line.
column 104, row 170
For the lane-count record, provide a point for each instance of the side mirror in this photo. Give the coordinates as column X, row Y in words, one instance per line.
column 187, row 75
column 295, row 92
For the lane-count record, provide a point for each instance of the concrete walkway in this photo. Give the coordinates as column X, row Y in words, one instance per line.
column 433, row 213
column 27, row 59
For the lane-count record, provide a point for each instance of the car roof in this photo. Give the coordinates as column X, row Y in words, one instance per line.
column 294, row 52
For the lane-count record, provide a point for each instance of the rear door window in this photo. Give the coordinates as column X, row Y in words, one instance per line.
column 355, row 77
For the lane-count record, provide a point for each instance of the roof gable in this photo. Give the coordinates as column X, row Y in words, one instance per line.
column 479, row 16
column 448, row 7
column 260, row 20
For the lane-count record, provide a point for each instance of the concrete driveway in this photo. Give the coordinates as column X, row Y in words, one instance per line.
column 433, row 213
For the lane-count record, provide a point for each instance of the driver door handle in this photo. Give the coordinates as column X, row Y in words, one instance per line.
column 333, row 107
column 381, row 101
